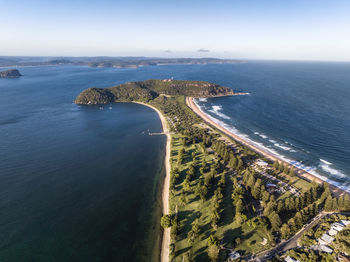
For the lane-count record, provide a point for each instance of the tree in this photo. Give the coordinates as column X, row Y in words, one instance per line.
column 347, row 202
column 239, row 206
column 276, row 165
column 298, row 220
column 251, row 180
column 314, row 192
column 270, row 207
column 275, row 221
column 239, row 164
column 292, row 226
column 285, row 231
column 335, row 204
column 233, row 161
column 341, row 202
column 326, row 191
column 212, row 240
column 291, row 172
column 203, row 192
column 194, row 232
column 280, row 206
column 186, row 185
column 329, row 203
column 286, row 170
column 165, row 221
column 213, row 252
column 256, row 191
column 265, row 196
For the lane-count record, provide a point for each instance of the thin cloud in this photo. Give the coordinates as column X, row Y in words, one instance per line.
column 168, row 51
column 203, row 50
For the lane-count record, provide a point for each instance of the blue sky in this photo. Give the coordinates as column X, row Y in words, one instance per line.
column 254, row 29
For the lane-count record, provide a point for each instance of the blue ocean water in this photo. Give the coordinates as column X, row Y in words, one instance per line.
column 79, row 183
column 299, row 111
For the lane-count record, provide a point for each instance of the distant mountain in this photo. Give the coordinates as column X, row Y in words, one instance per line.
column 104, row 61
column 11, row 73
column 145, row 91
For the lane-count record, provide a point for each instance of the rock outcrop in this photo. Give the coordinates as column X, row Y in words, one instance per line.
column 11, row 73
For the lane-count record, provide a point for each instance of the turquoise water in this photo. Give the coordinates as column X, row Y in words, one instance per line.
column 79, row 183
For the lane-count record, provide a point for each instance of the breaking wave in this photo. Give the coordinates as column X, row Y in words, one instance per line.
column 216, row 110
column 325, row 165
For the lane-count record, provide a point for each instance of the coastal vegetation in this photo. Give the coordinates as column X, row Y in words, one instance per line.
column 225, row 199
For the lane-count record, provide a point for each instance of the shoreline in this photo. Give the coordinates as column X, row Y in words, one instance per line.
column 165, row 244
column 299, row 172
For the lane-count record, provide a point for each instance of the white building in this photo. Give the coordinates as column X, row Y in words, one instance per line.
column 291, row 259
column 325, row 239
column 345, row 222
column 234, row 255
column 261, row 163
column 332, row 232
column 326, row 249
column 337, row 226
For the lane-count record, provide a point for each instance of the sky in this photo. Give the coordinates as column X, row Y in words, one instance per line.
column 244, row 29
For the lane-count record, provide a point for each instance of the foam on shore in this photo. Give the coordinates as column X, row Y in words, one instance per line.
column 325, row 166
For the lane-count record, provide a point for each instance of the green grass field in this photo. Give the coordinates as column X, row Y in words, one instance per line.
column 228, row 229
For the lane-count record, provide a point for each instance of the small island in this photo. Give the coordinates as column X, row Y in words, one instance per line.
column 225, row 199
column 11, row 73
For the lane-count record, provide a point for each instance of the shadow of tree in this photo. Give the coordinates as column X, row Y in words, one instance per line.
column 201, row 255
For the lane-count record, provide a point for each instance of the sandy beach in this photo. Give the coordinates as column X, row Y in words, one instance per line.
column 301, row 173
column 164, row 254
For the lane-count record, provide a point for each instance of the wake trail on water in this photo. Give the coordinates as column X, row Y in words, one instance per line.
column 311, row 168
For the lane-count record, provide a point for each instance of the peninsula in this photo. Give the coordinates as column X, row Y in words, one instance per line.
column 224, row 200
column 11, row 73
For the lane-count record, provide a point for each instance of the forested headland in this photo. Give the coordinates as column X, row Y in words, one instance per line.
column 225, row 199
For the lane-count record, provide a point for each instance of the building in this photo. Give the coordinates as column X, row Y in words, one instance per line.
column 332, row 232
column 234, row 255
column 262, row 163
column 337, row 226
column 322, row 248
column 326, row 249
column 325, row 239
column 291, row 259
column 345, row 222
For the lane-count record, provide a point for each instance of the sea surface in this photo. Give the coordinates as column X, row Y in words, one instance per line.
column 298, row 111
column 83, row 183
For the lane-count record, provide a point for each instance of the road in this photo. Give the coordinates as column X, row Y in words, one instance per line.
column 292, row 242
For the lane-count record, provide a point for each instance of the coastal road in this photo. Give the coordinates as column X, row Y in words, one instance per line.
column 292, row 242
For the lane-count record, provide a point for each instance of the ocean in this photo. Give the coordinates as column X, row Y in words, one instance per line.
column 298, row 111
column 81, row 183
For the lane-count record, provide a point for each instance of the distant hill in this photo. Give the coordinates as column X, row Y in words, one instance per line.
column 11, row 73
column 145, row 91
column 105, row 61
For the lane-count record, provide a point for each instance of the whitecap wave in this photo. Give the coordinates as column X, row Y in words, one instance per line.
column 216, row 110
column 325, row 162
column 202, row 99
column 261, row 135
column 326, row 166
column 286, row 148
column 310, row 169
